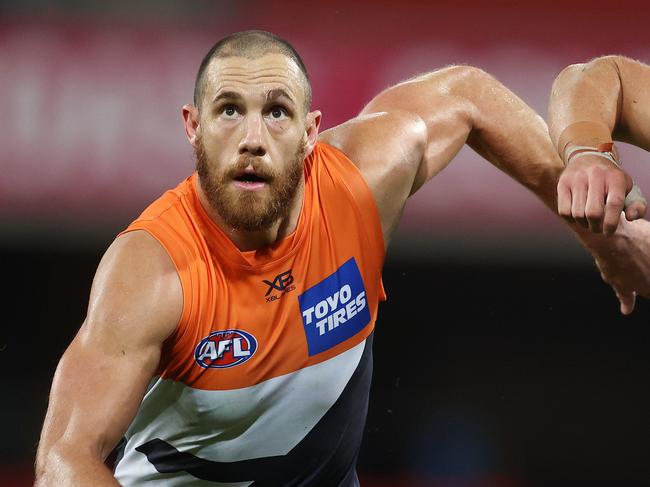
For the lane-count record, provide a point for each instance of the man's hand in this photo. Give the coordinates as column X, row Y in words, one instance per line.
column 624, row 261
column 593, row 191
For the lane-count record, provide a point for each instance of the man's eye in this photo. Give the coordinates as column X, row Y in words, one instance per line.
column 277, row 112
column 230, row 111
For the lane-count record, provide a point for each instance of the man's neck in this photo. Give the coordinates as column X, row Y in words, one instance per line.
column 255, row 240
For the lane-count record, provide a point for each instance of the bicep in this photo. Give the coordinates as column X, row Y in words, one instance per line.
column 135, row 303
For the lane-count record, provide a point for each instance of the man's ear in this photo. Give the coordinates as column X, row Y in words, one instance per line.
column 313, row 124
column 191, row 121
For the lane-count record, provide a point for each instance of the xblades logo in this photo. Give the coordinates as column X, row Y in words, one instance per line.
column 283, row 283
column 280, row 282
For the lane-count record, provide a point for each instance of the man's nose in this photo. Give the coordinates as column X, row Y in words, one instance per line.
column 253, row 141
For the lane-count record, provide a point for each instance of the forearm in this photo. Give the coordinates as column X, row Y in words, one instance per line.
column 511, row 135
column 67, row 465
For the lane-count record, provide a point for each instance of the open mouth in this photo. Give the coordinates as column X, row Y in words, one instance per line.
column 250, row 180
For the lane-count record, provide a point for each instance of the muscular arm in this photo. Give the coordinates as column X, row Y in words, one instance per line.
column 135, row 303
column 592, row 104
column 411, row 131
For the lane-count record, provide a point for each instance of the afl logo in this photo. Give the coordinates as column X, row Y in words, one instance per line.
column 225, row 348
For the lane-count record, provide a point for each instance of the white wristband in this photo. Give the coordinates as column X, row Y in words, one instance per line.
column 574, row 152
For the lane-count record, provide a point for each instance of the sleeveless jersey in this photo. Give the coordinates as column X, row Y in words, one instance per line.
column 265, row 380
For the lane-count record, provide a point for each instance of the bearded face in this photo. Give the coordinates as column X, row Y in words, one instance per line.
column 249, row 194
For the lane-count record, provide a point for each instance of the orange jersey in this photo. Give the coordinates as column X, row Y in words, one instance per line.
column 268, row 343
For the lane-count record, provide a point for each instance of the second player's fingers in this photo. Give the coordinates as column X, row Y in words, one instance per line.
column 595, row 204
column 627, row 301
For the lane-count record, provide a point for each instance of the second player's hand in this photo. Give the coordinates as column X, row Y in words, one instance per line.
column 624, row 293
column 592, row 192
column 624, row 261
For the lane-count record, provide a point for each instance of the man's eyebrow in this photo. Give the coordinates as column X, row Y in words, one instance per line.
column 278, row 93
column 227, row 95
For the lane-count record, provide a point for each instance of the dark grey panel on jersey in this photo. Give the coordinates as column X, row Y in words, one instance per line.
column 326, row 457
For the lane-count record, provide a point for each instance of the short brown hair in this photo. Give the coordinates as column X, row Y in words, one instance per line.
column 250, row 44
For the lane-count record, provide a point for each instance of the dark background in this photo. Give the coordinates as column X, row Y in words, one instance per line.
column 485, row 373
column 500, row 356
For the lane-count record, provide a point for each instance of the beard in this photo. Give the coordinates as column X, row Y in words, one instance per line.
column 248, row 210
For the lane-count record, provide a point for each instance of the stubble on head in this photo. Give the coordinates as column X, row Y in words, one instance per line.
column 249, row 210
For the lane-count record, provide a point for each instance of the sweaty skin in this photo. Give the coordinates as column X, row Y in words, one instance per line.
column 597, row 102
column 401, row 139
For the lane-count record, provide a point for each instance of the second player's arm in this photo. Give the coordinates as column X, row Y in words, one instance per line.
column 135, row 303
column 592, row 104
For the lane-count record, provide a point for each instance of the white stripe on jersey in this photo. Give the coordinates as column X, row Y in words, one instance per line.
column 267, row 419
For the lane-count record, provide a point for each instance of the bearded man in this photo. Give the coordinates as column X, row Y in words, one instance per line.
column 228, row 339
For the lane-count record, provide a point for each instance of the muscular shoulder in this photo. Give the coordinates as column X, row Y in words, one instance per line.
column 387, row 147
column 383, row 139
column 136, row 290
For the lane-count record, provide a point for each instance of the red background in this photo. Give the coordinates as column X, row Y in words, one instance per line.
column 92, row 100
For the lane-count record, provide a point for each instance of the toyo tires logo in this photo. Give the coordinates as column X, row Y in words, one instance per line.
column 335, row 309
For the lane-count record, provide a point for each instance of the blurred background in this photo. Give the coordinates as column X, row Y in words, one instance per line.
column 500, row 357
